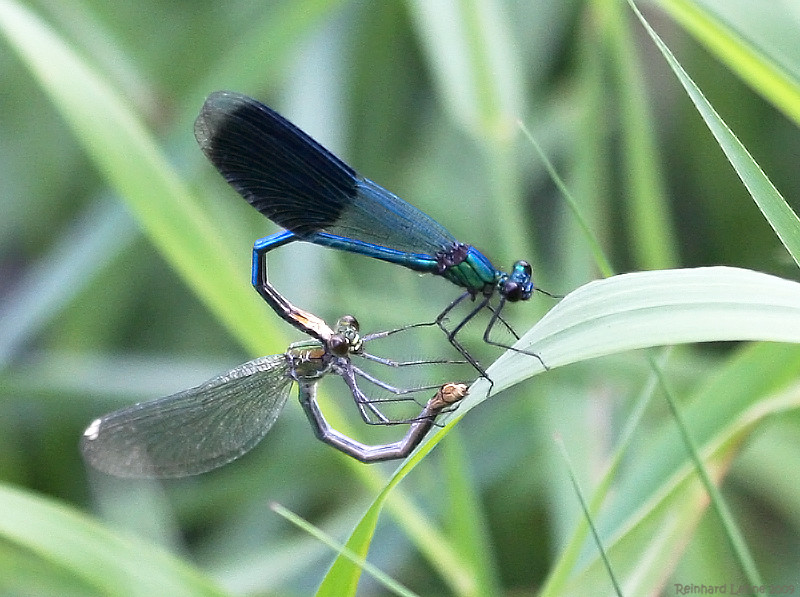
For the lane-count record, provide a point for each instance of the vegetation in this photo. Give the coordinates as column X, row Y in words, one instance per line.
column 624, row 467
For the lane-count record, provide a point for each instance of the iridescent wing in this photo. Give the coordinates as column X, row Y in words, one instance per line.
column 301, row 186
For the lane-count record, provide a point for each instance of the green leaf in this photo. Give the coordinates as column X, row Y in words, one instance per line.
column 130, row 159
column 774, row 207
column 742, row 51
column 470, row 50
column 617, row 314
column 659, row 308
column 103, row 562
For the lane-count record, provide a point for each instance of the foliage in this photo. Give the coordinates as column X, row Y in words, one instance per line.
column 103, row 306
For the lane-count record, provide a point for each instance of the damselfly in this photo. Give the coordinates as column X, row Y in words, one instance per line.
column 205, row 427
column 301, row 186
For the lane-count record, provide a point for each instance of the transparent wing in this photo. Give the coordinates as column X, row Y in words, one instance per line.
column 192, row 431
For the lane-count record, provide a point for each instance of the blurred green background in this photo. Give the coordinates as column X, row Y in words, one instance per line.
column 424, row 98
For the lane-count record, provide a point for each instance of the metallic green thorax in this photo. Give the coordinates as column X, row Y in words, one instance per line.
column 475, row 273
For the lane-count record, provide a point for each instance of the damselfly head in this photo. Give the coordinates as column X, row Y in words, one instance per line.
column 518, row 285
column 339, row 345
column 346, row 338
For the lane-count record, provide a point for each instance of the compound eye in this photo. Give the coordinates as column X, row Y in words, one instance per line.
column 339, row 345
column 512, row 291
column 349, row 321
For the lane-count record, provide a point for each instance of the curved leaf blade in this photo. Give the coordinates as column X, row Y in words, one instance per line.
column 130, row 159
column 624, row 312
column 97, row 557
column 779, row 214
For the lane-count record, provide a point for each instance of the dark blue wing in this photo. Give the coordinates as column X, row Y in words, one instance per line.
column 301, row 186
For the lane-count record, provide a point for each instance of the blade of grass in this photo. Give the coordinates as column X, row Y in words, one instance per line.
column 342, row 578
column 757, row 69
column 646, row 309
column 569, row 554
column 591, row 170
column 92, row 241
column 129, row 158
column 466, row 520
column 107, row 562
column 731, row 529
column 778, row 213
column 625, row 312
column 588, row 516
column 650, row 226
column 384, row 579
column 594, row 244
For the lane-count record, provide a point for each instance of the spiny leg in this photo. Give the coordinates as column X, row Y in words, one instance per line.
column 393, row 363
column 390, row 388
column 496, row 317
column 399, row 397
column 367, row 407
column 451, row 334
column 385, row 333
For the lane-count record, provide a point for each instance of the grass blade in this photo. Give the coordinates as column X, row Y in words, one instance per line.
column 384, row 579
column 101, row 560
column 588, row 516
column 625, row 312
column 731, row 529
column 130, row 159
column 778, row 213
column 741, row 55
